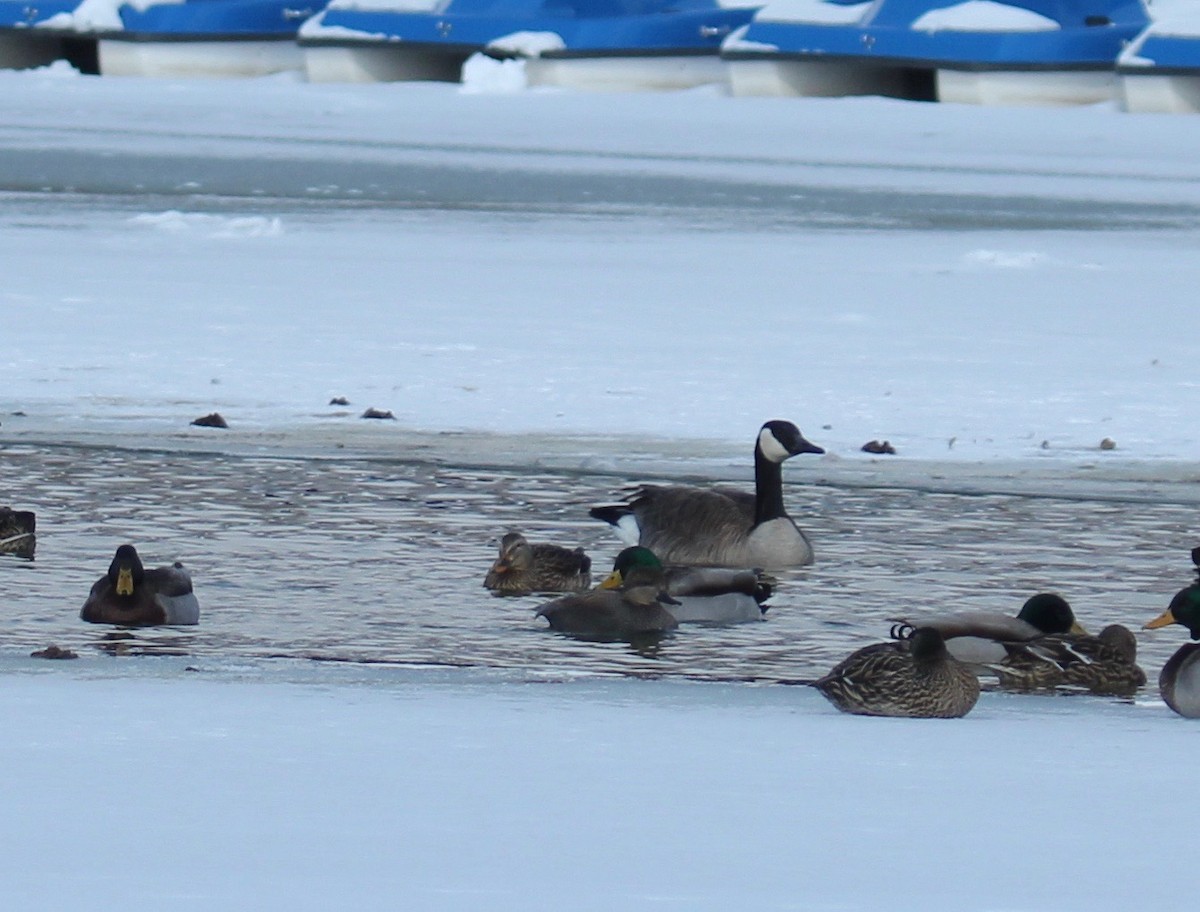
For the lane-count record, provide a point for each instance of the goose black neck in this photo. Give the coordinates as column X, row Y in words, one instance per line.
column 768, row 488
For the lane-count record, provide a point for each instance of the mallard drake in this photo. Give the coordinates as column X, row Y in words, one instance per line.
column 638, row 607
column 1102, row 664
column 977, row 637
column 522, row 568
column 913, row 675
column 712, row 595
column 17, row 528
column 720, row 527
column 130, row 595
column 1179, row 680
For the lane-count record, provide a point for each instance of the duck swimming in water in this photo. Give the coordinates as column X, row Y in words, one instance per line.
column 707, row 595
column 522, row 568
column 640, row 606
column 720, row 527
column 130, row 595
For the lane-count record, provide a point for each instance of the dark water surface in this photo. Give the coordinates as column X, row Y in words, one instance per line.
column 366, row 561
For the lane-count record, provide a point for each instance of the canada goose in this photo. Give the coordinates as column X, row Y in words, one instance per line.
column 130, row 595
column 911, row 676
column 637, row 608
column 1102, row 664
column 1179, row 680
column 976, row 637
column 711, row 595
column 522, row 568
column 720, row 527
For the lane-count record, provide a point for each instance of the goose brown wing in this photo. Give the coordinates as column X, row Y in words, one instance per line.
column 689, row 525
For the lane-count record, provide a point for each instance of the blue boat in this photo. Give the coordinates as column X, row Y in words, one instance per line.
column 1160, row 70
column 207, row 38
column 37, row 34
column 1047, row 52
column 593, row 44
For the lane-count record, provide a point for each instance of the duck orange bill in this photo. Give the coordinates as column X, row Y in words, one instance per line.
column 1167, row 617
column 612, row 581
column 124, row 581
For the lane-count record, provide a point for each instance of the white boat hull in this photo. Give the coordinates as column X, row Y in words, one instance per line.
column 837, row 78
column 380, row 62
column 1159, row 94
column 1044, row 88
column 203, row 59
column 627, row 74
column 816, row 78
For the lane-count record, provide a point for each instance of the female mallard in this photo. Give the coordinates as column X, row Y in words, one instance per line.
column 913, row 676
column 1179, row 680
column 721, row 527
column 638, row 607
column 712, row 595
column 131, row 596
column 1103, row 664
column 977, row 637
column 17, row 529
column 522, row 568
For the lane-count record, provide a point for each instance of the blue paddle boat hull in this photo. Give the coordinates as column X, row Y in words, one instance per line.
column 206, row 38
column 38, row 34
column 598, row 44
column 1046, row 52
column 1160, row 71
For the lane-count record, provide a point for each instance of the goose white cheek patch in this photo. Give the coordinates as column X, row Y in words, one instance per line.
column 771, row 448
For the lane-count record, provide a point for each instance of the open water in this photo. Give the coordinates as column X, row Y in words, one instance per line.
column 382, row 561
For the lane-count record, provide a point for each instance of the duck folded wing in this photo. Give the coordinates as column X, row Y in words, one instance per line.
column 172, row 588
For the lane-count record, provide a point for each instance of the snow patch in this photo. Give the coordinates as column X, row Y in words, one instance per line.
column 817, row 12
column 484, row 75
column 211, row 226
column 527, row 44
column 316, row 27
column 1003, row 259
column 100, row 15
column 983, row 16
column 391, row 6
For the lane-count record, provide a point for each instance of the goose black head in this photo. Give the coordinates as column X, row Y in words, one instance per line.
column 779, row 440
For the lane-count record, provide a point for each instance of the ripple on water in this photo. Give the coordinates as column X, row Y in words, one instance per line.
column 383, row 561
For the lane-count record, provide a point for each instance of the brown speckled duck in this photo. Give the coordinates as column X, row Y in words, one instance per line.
column 912, row 676
column 1179, row 680
column 1102, row 664
column 131, row 596
column 523, row 567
